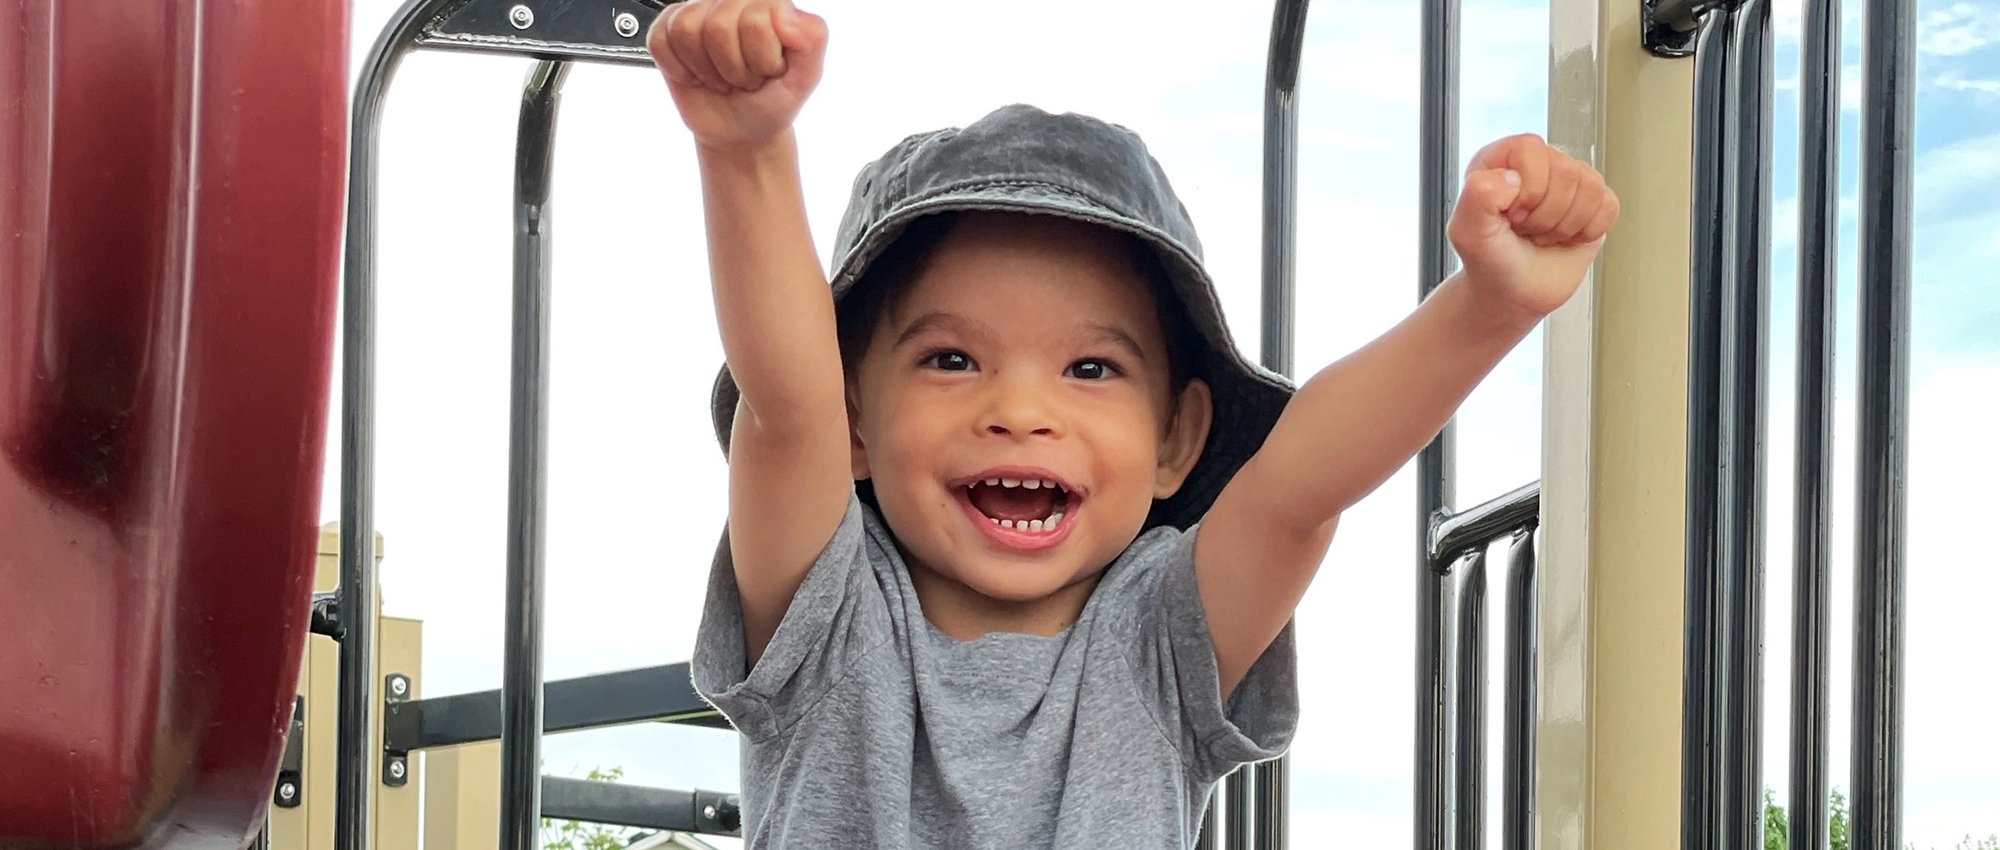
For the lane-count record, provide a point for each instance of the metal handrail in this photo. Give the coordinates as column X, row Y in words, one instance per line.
column 1888, row 106
column 1456, row 676
column 473, row 25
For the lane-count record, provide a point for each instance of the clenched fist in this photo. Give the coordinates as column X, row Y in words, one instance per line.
column 738, row 70
column 1529, row 222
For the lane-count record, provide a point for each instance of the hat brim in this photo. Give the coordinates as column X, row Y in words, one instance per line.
column 1247, row 399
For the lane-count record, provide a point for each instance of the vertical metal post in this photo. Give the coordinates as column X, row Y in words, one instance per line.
column 354, row 761
column 1887, row 124
column 1281, row 133
column 1744, row 363
column 1437, row 181
column 527, row 463
column 1239, row 829
column 1517, row 772
column 1701, row 744
column 1436, row 669
column 1469, row 720
column 1819, row 199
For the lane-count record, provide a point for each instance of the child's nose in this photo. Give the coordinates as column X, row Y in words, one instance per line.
column 1020, row 410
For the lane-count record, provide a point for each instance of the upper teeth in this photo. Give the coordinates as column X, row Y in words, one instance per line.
column 1029, row 483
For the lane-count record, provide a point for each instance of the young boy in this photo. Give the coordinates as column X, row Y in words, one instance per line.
column 1015, row 533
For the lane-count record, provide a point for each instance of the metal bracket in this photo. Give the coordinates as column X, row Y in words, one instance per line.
column 582, row 30
column 1667, row 27
column 395, row 763
column 716, row 813
column 290, row 789
column 326, row 614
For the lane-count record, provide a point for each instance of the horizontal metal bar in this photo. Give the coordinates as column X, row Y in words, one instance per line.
column 704, row 812
column 604, row 31
column 1478, row 526
column 663, row 694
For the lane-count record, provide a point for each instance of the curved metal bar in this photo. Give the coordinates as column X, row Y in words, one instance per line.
column 354, row 759
column 1281, row 156
column 1476, row 526
column 1888, row 103
column 1437, row 180
column 1819, row 196
column 527, row 463
column 1517, row 771
column 1469, row 709
column 1702, row 713
column 1744, row 359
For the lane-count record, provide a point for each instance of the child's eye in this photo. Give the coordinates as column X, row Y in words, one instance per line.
column 948, row 361
column 1090, row 370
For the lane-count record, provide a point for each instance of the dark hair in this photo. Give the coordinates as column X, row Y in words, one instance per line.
column 882, row 287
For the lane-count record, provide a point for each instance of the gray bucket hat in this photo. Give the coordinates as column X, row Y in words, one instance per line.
column 1021, row 159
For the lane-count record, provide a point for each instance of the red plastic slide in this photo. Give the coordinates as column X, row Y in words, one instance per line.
column 171, row 182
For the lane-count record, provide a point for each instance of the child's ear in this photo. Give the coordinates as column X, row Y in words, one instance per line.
column 858, row 452
column 1187, row 433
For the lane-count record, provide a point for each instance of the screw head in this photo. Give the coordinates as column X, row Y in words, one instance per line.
column 287, row 791
column 521, row 16
column 627, row 24
column 396, row 769
column 708, row 812
column 399, row 686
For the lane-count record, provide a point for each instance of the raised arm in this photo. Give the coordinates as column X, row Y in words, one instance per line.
column 1527, row 226
column 738, row 71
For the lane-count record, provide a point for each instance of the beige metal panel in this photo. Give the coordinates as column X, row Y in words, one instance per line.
column 399, row 650
column 462, row 797
column 1614, row 443
column 310, row 826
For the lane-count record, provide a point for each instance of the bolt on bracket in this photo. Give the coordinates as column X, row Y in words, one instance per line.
column 289, row 791
column 396, row 688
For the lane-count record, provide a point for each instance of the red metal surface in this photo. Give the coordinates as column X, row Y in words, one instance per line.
column 170, row 196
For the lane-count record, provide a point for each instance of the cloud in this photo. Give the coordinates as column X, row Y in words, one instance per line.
column 1959, row 29
column 1954, row 81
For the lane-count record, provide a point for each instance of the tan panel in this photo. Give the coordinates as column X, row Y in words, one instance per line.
column 462, row 797
column 310, row 826
column 1615, row 415
column 400, row 651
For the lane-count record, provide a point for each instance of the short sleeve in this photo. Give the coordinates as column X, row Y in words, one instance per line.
column 838, row 615
column 1174, row 665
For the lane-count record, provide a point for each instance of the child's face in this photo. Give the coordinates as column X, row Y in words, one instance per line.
column 1028, row 349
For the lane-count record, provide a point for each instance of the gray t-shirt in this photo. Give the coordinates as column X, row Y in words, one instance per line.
column 863, row 726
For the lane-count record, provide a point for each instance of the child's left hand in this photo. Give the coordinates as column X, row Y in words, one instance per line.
column 1529, row 222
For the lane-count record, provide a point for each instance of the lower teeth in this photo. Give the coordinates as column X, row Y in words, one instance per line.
column 1030, row 525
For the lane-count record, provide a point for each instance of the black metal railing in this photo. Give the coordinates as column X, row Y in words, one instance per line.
column 616, row 36
column 1728, row 274
column 1452, row 770
column 1253, row 809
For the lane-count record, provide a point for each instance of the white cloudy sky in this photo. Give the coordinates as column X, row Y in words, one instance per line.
column 635, row 499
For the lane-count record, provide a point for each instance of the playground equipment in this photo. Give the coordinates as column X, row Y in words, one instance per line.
column 161, row 703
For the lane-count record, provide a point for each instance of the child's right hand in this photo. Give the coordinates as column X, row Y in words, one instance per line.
column 738, row 69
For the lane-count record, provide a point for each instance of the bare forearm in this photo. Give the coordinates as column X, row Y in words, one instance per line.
column 1359, row 420
column 771, row 299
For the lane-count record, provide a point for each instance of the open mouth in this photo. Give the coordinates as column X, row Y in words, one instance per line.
column 1032, row 505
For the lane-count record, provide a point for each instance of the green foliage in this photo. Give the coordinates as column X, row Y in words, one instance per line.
column 1777, row 828
column 1836, row 822
column 572, row 835
column 1775, row 824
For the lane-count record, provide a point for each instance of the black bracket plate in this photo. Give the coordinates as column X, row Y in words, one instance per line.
column 326, row 614
column 612, row 31
column 1667, row 27
column 396, row 688
column 290, row 789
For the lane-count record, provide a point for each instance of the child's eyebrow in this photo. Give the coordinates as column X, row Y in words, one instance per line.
column 1117, row 336
column 942, row 320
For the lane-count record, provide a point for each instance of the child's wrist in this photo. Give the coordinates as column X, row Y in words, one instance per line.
column 776, row 155
column 1490, row 310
